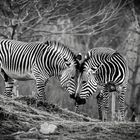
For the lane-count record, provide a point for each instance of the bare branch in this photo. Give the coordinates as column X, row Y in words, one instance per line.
column 4, row 27
column 88, row 21
column 38, row 11
column 94, row 23
column 26, row 15
column 135, row 17
column 4, row 36
column 31, row 27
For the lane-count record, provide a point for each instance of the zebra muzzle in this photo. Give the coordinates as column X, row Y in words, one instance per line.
column 80, row 101
column 72, row 96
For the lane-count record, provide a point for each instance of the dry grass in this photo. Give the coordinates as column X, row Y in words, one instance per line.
column 20, row 121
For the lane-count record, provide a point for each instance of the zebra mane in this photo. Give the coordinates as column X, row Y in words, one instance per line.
column 60, row 46
column 100, row 50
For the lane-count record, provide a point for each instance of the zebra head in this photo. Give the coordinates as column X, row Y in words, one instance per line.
column 67, row 79
column 86, row 84
column 69, row 74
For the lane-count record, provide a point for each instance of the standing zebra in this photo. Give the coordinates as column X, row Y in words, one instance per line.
column 37, row 61
column 106, row 68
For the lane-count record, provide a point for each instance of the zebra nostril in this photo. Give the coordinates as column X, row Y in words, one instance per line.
column 72, row 96
column 80, row 101
column 72, row 77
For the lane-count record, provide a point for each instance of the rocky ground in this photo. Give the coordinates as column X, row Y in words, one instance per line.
column 21, row 120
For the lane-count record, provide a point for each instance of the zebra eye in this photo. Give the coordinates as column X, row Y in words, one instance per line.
column 93, row 69
column 83, row 82
column 72, row 77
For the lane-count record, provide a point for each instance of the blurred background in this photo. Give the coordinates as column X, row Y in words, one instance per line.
column 81, row 25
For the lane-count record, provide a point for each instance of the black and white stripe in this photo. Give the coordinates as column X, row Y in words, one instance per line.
column 37, row 61
column 106, row 68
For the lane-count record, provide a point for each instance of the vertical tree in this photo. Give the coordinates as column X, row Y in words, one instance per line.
column 133, row 55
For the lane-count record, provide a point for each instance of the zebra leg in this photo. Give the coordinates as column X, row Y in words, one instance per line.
column 121, row 99
column 4, row 75
column 41, row 98
column 113, row 106
column 77, row 108
column 99, row 98
column 41, row 81
column 105, row 105
column 8, row 88
column 9, row 83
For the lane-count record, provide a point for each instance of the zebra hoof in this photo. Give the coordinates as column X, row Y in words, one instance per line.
column 39, row 103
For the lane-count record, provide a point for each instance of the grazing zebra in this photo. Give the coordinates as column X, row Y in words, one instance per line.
column 105, row 68
column 39, row 62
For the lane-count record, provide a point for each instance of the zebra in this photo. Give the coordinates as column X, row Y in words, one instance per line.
column 37, row 61
column 107, row 69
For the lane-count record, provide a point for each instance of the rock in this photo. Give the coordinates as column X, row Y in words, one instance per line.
column 47, row 128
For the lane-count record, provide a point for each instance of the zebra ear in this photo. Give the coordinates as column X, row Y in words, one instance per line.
column 88, row 55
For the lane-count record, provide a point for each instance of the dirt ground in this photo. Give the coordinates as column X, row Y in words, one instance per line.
column 21, row 120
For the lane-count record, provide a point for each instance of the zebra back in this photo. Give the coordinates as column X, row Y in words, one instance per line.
column 107, row 64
